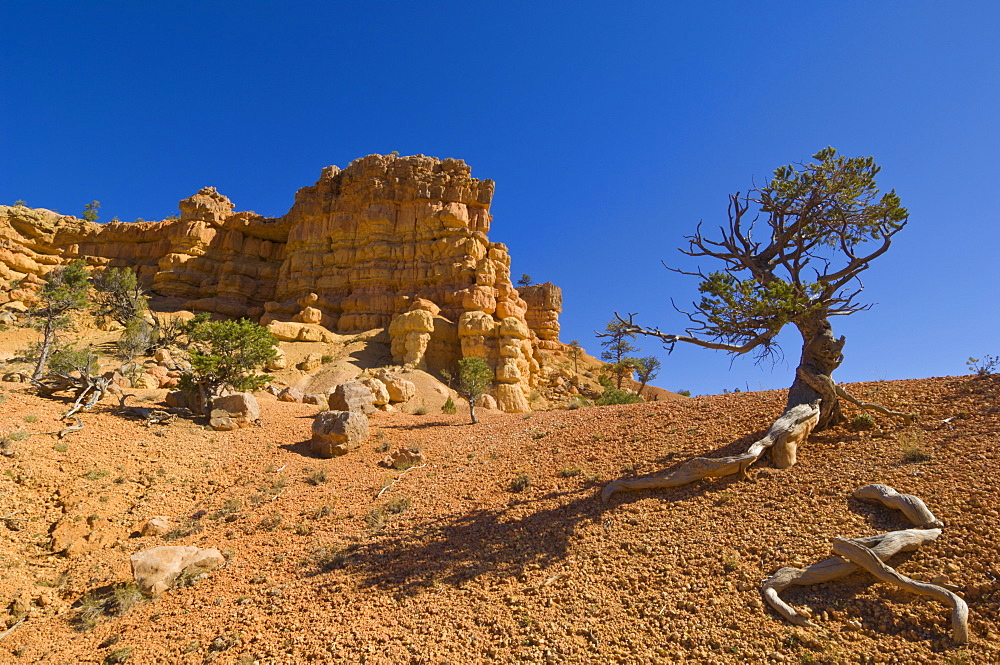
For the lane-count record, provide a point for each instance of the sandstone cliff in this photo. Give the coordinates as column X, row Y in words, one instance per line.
column 389, row 242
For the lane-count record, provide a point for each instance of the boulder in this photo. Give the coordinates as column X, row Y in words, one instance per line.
column 487, row 402
column 400, row 390
column 146, row 381
column 233, row 411
column 162, row 357
column 178, row 399
column 156, row 569
column 380, row 395
column 314, row 398
column 290, row 394
column 8, row 318
column 155, row 526
column 352, row 396
column 336, row 433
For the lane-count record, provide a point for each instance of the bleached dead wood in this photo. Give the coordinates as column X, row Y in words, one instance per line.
column 867, row 559
column 868, row 406
column 913, row 507
column 783, row 439
column 883, row 545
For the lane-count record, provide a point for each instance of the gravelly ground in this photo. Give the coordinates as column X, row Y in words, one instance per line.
column 470, row 571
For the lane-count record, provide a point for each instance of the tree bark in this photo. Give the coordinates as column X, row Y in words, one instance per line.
column 48, row 340
column 472, row 411
column 822, row 353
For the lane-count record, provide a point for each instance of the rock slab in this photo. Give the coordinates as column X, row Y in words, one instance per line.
column 155, row 570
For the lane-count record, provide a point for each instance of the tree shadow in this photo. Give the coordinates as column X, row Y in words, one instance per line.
column 457, row 549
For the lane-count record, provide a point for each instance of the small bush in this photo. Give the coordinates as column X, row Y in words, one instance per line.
column 521, row 483
column 383, row 445
column 397, row 505
column 271, row 522
column 684, row 393
column 375, row 519
column 985, row 367
column 317, row 477
column 31, row 419
column 95, row 474
column 612, row 396
column 577, row 402
column 420, row 411
column 449, row 407
column 60, row 447
column 863, row 420
column 327, row 359
column 914, row 449
column 570, row 472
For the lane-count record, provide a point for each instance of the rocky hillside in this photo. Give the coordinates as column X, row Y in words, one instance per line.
column 498, row 548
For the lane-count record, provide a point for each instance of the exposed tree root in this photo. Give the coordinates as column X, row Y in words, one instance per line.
column 76, row 427
column 883, row 546
column 868, row 406
column 913, row 507
column 870, row 553
column 867, row 559
column 783, row 438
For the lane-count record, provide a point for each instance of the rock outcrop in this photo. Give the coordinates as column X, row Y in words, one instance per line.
column 389, row 242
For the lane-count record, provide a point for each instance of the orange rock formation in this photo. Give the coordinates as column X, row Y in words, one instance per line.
column 389, row 242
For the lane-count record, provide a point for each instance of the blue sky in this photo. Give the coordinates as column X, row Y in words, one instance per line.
column 610, row 129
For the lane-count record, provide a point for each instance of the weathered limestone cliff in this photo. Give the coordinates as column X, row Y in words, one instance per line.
column 389, row 242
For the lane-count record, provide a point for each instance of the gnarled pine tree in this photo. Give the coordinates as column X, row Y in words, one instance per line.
column 820, row 226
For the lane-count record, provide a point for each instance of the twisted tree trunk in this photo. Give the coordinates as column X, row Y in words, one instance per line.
column 822, row 353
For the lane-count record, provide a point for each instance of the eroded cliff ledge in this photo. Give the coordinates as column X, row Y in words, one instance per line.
column 388, row 242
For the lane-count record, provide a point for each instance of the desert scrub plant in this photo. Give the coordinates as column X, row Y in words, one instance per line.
column 420, row 410
column 578, row 402
column 95, row 474
column 326, row 359
column 382, row 444
column 397, row 505
column 114, row 601
column 317, row 477
column 375, row 519
column 863, row 420
column 449, row 407
column 985, row 367
column 271, row 522
column 570, row 472
column 520, row 483
column 31, row 418
column 612, row 396
column 914, row 449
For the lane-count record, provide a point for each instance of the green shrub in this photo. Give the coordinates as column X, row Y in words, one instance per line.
column 449, row 407
column 863, row 420
column 227, row 354
column 612, row 396
column 521, row 483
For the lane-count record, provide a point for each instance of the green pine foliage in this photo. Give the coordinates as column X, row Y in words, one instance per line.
column 227, row 354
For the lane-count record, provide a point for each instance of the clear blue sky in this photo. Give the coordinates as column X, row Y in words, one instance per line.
column 611, row 129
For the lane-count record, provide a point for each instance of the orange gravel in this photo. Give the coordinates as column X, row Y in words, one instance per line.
column 468, row 570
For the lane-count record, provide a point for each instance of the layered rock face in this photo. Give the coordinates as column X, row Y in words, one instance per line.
column 398, row 242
